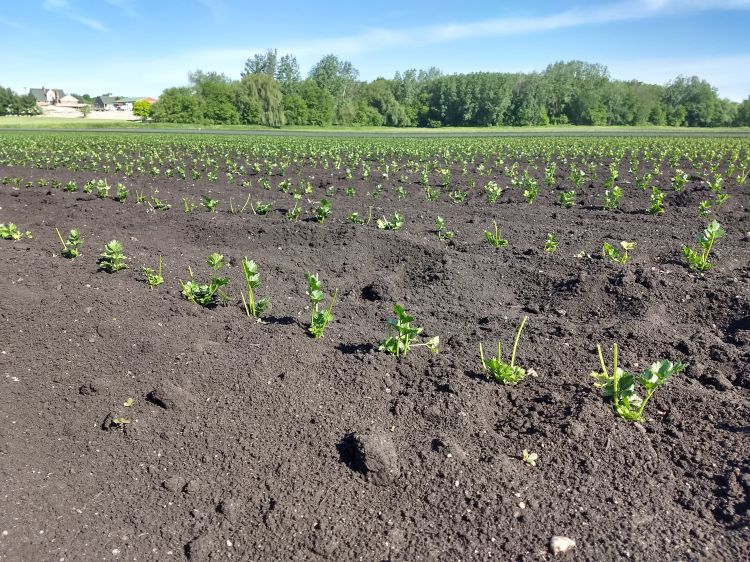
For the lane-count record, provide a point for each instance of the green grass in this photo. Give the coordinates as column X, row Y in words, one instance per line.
column 52, row 123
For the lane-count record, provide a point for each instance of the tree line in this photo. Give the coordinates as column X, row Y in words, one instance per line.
column 14, row 104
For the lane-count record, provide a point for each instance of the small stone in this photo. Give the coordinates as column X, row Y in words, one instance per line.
column 169, row 396
column 559, row 544
column 193, row 486
column 174, row 483
column 375, row 455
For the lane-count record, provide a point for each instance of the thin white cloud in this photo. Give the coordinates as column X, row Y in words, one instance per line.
column 13, row 25
column 126, row 6
column 64, row 7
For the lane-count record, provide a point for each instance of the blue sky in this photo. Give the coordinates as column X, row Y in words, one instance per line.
column 140, row 47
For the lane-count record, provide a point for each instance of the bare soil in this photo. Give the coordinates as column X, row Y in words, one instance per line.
column 253, row 441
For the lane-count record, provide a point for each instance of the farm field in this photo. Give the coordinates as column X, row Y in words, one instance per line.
column 136, row 424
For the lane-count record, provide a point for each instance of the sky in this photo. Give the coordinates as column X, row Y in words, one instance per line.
column 140, row 47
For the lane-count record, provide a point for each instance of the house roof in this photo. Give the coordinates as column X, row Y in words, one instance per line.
column 40, row 94
column 106, row 100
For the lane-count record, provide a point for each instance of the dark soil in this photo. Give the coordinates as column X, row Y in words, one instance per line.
column 253, row 441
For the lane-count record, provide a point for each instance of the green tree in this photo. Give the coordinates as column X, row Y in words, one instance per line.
column 378, row 95
column 262, row 63
column 339, row 79
column 216, row 97
column 142, row 109
column 177, row 105
column 288, row 75
column 259, row 100
column 691, row 101
column 742, row 117
column 320, row 104
column 85, row 110
column 295, row 110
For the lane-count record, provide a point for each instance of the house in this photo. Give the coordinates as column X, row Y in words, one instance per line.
column 70, row 101
column 45, row 96
column 105, row 103
column 119, row 103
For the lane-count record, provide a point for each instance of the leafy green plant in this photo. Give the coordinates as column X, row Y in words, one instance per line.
column 70, row 187
column 159, row 205
column 458, row 196
column 550, row 244
column 121, row 193
column 210, row 204
column 112, row 259
column 657, row 202
column 253, row 307
column 698, row 258
column 499, row 370
column 568, row 198
column 206, row 294
column 529, row 458
column 261, row 208
column 395, row 223
column 613, row 255
column 11, row 232
column 493, row 191
column 102, row 189
column 679, row 179
column 400, row 333
column 153, row 278
column 70, row 246
column 323, row 211
column 431, row 194
column 320, row 317
column 530, row 187
column 188, row 206
column 294, row 213
column 495, row 238
column 612, row 198
column 619, row 387
column 442, row 232
column 704, row 208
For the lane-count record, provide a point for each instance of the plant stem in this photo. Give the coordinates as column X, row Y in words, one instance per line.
column 244, row 302
column 246, row 202
column 64, row 245
column 518, row 337
column 615, row 377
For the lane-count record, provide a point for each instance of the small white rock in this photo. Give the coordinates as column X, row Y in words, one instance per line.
column 561, row 544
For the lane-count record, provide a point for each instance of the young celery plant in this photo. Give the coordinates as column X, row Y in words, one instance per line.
column 206, row 294
column 70, row 246
column 619, row 387
column 400, row 334
column 254, row 308
column 699, row 259
column 153, row 278
column 319, row 318
column 613, row 255
column 112, row 259
column 502, row 372
column 495, row 238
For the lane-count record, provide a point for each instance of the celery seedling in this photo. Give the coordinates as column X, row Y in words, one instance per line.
column 70, row 246
column 706, row 242
column 495, row 238
column 550, row 245
column 320, row 318
column 620, row 386
column 206, row 294
column 657, row 202
column 323, row 211
column 609, row 252
column 393, row 224
column 153, row 278
column 209, row 204
column 568, row 199
column 112, row 259
column 400, row 334
column 502, row 372
column 442, row 232
column 253, row 307
column 11, row 232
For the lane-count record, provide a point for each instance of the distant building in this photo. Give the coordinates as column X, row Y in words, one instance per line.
column 70, row 101
column 119, row 103
column 105, row 103
column 45, row 96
